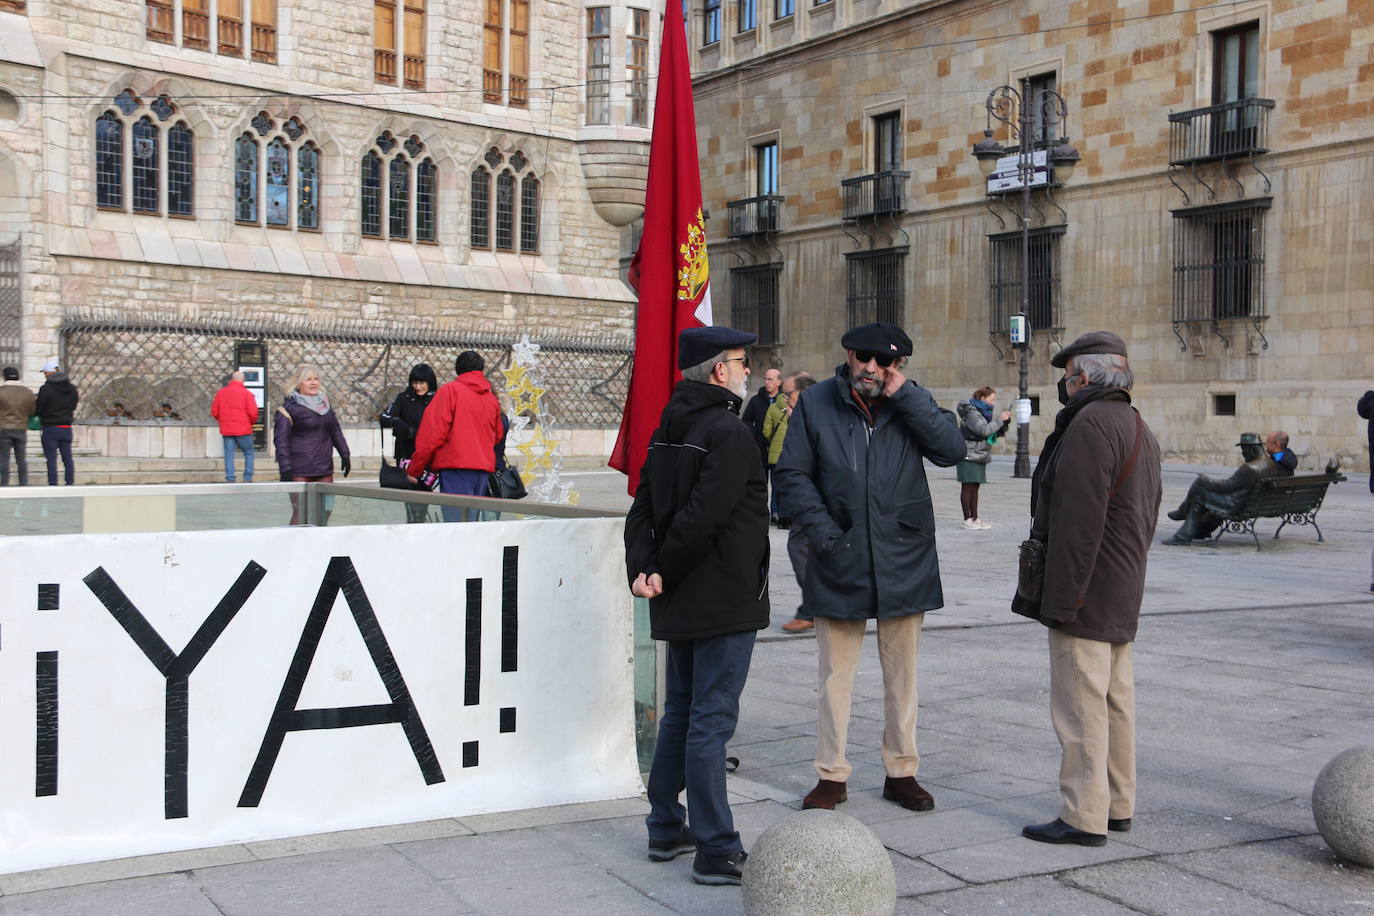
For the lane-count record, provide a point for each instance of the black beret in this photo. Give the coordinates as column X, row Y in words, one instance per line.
column 1092, row 342
column 697, row 345
column 880, row 337
column 1250, row 439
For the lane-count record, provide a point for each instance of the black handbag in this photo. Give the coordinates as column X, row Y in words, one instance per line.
column 393, row 477
column 1030, row 578
column 505, row 483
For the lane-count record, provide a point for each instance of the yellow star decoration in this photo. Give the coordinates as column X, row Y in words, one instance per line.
column 524, row 394
column 537, row 453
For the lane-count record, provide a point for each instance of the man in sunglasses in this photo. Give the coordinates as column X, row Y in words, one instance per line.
column 852, row 479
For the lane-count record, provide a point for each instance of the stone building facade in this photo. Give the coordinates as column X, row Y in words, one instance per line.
column 453, row 168
column 1219, row 219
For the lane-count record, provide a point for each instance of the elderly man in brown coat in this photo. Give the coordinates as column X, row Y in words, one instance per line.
column 1095, row 499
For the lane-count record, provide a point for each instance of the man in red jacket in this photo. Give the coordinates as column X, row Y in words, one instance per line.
column 236, row 410
column 459, row 431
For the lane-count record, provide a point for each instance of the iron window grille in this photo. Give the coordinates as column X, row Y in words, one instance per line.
column 1219, row 261
column 1006, row 276
column 755, row 215
column 873, row 195
column 875, row 286
column 11, row 302
column 754, row 301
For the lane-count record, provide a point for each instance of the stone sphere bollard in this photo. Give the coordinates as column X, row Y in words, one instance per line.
column 1343, row 805
column 820, row 862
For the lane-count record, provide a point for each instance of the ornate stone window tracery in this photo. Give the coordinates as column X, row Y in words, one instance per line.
column 511, row 216
column 144, row 158
column 402, row 179
column 276, row 175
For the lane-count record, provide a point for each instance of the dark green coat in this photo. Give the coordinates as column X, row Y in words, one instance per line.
column 859, row 494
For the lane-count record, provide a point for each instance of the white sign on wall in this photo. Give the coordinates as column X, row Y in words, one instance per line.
column 173, row 691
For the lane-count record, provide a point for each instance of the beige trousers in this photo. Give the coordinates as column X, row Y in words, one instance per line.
column 899, row 644
column 1092, row 705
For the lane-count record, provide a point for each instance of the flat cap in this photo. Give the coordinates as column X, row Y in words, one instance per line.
column 1091, row 342
column 879, row 337
column 697, row 345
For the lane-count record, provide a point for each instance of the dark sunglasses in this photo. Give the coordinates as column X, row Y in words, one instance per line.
column 883, row 359
column 739, row 359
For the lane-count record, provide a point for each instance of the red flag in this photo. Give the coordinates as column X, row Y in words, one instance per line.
column 669, row 270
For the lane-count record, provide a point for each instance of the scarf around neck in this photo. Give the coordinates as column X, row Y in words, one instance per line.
column 319, row 403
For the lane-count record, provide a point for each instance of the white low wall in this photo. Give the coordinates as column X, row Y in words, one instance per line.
column 174, row 691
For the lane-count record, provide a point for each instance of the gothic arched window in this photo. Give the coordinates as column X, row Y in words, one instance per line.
column 514, row 214
column 145, row 148
column 406, row 206
column 276, row 175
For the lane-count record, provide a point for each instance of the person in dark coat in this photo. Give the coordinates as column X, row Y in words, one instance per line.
column 306, row 433
column 55, row 407
column 851, row 477
column 696, row 545
column 1272, row 458
column 403, row 419
column 1365, row 408
column 756, row 411
column 1095, row 497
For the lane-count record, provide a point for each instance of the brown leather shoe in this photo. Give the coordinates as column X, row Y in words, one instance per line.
column 907, row 792
column 797, row 625
column 827, row 794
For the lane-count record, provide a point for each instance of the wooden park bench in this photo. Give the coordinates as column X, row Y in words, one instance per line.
column 1293, row 499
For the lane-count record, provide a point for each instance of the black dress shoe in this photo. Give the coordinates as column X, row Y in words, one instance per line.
column 1056, row 831
column 1178, row 515
column 1119, row 824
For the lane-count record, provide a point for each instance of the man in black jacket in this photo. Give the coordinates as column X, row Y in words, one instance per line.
column 696, row 544
column 1262, row 461
column 851, row 477
column 55, row 406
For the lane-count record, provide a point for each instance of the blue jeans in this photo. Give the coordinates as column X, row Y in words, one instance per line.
column 461, row 482
column 57, row 439
column 700, row 709
column 238, row 444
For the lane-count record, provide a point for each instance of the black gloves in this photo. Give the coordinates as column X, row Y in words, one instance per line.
column 286, row 476
column 346, row 464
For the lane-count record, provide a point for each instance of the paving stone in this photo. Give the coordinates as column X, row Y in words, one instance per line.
column 494, row 853
column 1171, row 830
column 1042, row 895
column 578, row 889
column 1011, row 858
column 173, row 893
column 115, row 869
column 1155, row 887
column 1302, row 875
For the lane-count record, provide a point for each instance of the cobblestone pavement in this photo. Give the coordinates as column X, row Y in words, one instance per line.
column 1253, row 670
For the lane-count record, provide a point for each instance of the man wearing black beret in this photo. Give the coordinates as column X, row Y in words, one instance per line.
column 1094, row 502
column 852, row 479
column 696, row 545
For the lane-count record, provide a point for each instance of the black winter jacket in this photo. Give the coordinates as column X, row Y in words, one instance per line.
column 700, row 519
column 56, row 401
column 859, row 494
column 1366, row 409
column 403, row 418
column 755, row 412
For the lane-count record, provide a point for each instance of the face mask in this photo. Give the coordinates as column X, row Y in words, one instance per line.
column 1063, row 391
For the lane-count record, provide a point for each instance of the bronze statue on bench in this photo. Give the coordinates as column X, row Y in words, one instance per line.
column 1270, row 458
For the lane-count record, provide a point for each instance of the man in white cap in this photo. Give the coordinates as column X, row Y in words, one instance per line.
column 56, row 404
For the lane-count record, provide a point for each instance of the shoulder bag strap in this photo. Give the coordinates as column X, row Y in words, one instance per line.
column 1130, row 462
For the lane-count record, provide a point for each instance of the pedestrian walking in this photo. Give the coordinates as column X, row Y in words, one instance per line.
column 1365, row 408
column 696, row 545
column 458, row 435
column 756, row 411
column 16, row 406
column 306, row 433
column 1095, row 498
column 236, row 410
column 981, row 430
column 852, row 477
column 798, row 548
column 55, row 406
column 403, row 419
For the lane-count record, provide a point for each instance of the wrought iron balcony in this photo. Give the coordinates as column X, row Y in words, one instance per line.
column 1217, row 132
column 755, row 215
column 872, row 195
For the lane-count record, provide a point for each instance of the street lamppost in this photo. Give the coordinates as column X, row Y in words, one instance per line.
column 1030, row 115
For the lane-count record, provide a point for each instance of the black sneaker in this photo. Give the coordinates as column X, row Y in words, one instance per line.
column 666, row 850
column 709, row 869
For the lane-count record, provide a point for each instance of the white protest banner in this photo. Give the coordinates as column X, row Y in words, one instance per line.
column 173, row 691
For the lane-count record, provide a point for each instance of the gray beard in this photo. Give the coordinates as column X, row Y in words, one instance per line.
column 741, row 390
column 859, row 384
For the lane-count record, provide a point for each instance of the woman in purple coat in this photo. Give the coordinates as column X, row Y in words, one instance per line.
column 306, row 433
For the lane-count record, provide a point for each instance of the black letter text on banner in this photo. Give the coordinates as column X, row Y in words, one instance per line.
column 175, row 668
column 340, row 576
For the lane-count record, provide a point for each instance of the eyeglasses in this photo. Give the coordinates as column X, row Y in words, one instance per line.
column 883, row 359
column 743, row 359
